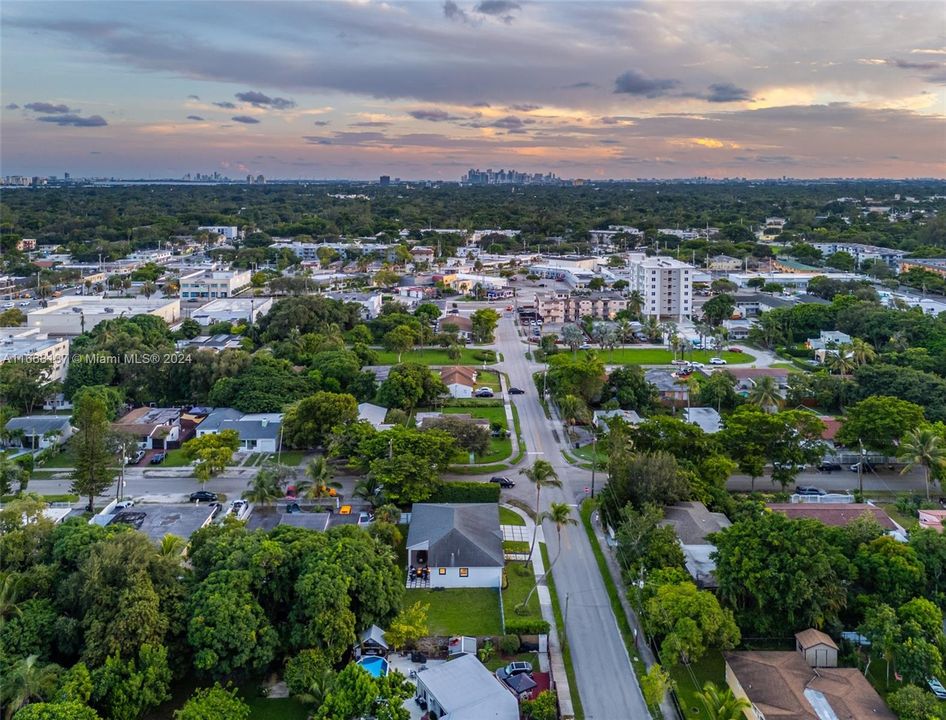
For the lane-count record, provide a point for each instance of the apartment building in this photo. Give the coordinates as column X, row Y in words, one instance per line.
column 664, row 284
column 213, row 283
column 862, row 253
column 560, row 307
column 28, row 345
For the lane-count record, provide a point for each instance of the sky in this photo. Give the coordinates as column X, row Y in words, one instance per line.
column 429, row 89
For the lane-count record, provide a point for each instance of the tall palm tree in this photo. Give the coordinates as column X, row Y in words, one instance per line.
column 765, row 394
column 265, row 489
column 319, row 483
column 899, row 341
column 561, row 515
column 573, row 409
column 27, row 680
column 171, row 546
column 10, row 586
column 625, row 331
column 923, row 447
column 368, row 488
column 862, row 352
column 148, row 289
column 635, row 303
column 541, row 474
column 721, row 704
column 841, row 360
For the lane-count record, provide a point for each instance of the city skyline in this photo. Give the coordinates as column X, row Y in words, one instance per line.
column 354, row 90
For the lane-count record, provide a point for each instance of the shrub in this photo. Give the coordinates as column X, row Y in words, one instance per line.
column 485, row 355
column 466, row 492
column 527, row 626
column 509, row 644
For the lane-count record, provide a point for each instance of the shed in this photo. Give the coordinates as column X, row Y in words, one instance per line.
column 372, row 641
column 817, row 647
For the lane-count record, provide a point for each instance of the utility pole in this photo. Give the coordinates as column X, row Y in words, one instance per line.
column 594, row 462
column 860, row 470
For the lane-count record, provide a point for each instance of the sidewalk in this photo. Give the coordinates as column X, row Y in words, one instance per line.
column 553, row 661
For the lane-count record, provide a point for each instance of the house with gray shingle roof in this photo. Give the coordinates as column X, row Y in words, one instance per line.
column 461, row 544
column 36, row 432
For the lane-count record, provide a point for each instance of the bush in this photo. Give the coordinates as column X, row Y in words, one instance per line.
column 466, row 492
column 475, row 402
column 509, row 644
column 485, row 356
column 527, row 626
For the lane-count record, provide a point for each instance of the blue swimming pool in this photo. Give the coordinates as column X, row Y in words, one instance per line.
column 377, row 666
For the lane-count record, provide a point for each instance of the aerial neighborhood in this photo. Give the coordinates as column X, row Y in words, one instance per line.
column 291, row 454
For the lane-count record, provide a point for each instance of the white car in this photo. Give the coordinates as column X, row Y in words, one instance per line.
column 7, row 306
column 694, row 364
column 717, row 361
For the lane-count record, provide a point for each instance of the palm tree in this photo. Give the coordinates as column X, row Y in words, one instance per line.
column 368, row 488
column 624, row 331
column 899, row 341
column 721, row 704
column 635, row 303
column 651, row 328
column 388, row 514
column 765, row 394
column 454, row 352
column 923, row 447
column 573, row 409
column 561, row 515
column 542, row 474
column 861, row 352
column 27, row 681
column 320, row 483
column 841, row 360
column 148, row 289
column 10, row 586
column 264, row 490
column 171, row 546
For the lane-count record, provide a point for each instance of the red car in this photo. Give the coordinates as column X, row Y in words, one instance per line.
column 735, row 349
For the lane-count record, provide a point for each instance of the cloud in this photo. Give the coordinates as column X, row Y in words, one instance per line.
column 726, row 92
column 432, row 114
column 372, row 123
column 226, row 105
column 525, row 107
column 195, row 117
column 511, row 122
column 73, row 120
column 258, row 99
column 245, row 119
column 48, row 108
column 193, row 97
column 12, row 106
column 452, row 11
column 316, row 140
column 908, row 65
column 617, row 120
column 320, row 123
column 634, row 82
column 584, row 85
column 482, row 104
column 501, row 9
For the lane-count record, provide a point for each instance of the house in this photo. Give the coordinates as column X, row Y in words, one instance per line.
column 836, row 514
column 259, row 432
column 707, row 418
column 827, row 340
column 463, row 689
column 672, row 390
column 460, row 381
column 819, row 649
column 372, row 642
column 38, row 432
column 214, row 343
column 932, row 519
column 460, row 543
column 784, row 685
column 724, row 263
column 463, row 325
column 601, row 418
column 693, row 523
column 154, row 428
column 374, row 414
column 746, row 378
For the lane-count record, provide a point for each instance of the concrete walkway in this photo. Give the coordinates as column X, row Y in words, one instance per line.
column 554, row 660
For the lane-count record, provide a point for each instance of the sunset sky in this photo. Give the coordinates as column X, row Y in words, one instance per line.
column 429, row 89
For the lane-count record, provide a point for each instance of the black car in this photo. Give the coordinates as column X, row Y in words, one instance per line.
column 503, row 482
column 157, row 459
column 516, row 391
column 829, row 466
column 808, row 490
column 203, row 496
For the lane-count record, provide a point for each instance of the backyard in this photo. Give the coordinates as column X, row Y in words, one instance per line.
column 436, row 356
column 499, row 448
column 460, row 611
column 657, row 356
column 689, row 680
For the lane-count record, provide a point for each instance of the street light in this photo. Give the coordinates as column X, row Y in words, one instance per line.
column 594, row 462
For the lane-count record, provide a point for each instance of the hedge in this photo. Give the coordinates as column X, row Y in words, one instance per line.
column 526, row 626
column 466, row 492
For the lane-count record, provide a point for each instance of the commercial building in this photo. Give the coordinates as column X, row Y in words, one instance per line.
column 232, row 310
column 933, row 265
column 214, row 283
column 34, row 347
column 230, row 232
column 559, row 307
column 74, row 315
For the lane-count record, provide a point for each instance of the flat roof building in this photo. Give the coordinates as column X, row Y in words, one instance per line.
column 213, row 283
column 232, row 310
column 75, row 314
column 36, row 348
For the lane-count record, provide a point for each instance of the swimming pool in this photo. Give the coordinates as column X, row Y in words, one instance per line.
column 377, row 666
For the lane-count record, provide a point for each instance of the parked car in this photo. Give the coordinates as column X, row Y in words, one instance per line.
column 697, row 365
column 293, row 508
column 483, row 393
column 808, row 490
column 520, row 667
column 216, row 508
column 237, row 507
column 867, row 467
column 829, row 466
column 502, row 482
column 717, row 361
column 203, row 496
column 418, row 657
column 158, row 458
column 124, row 505
column 585, row 346
column 516, row 391
column 735, row 349
column 509, row 308
column 679, row 363
column 136, row 458
column 453, row 311
column 936, row 687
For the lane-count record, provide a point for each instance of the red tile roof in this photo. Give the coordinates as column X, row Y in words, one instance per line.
column 836, row 514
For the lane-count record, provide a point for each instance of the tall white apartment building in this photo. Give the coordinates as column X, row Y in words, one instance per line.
column 213, row 283
column 665, row 284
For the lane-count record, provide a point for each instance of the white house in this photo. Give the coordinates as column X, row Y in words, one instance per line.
column 459, row 380
column 461, row 544
column 463, row 689
column 259, row 432
column 37, row 432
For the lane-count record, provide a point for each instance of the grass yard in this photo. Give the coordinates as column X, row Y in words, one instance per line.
column 655, row 356
column 520, row 579
column 460, row 611
column 499, row 448
column 487, row 378
column 786, row 366
column 263, row 708
column 508, row 517
column 689, row 679
column 291, row 458
column 587, row 453
column 64, row 459
column 174, row 458
column 434, row 356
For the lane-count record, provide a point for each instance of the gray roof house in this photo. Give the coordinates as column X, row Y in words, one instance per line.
column 706, row 417
column 36, row 432
column 259, row 432
column 463, row 689
column 693, row 523
column 461, row 544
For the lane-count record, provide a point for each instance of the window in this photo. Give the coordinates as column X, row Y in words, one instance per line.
column 464, row 572
column 442, row 571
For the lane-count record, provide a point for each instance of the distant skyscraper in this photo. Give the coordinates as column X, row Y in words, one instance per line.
column 385, row 180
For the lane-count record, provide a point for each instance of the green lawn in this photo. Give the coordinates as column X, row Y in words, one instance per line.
column 689, row 680
column 292, row 458
column 175, row 458
column 508, row 517
column 786, row 366
column 520, row 580
column 487, row 378
column 655, row 356
column 433, row 356
column 262, row 708
column 64, row 459
column 587, row 453
column 499, row 448
column 460, row 611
